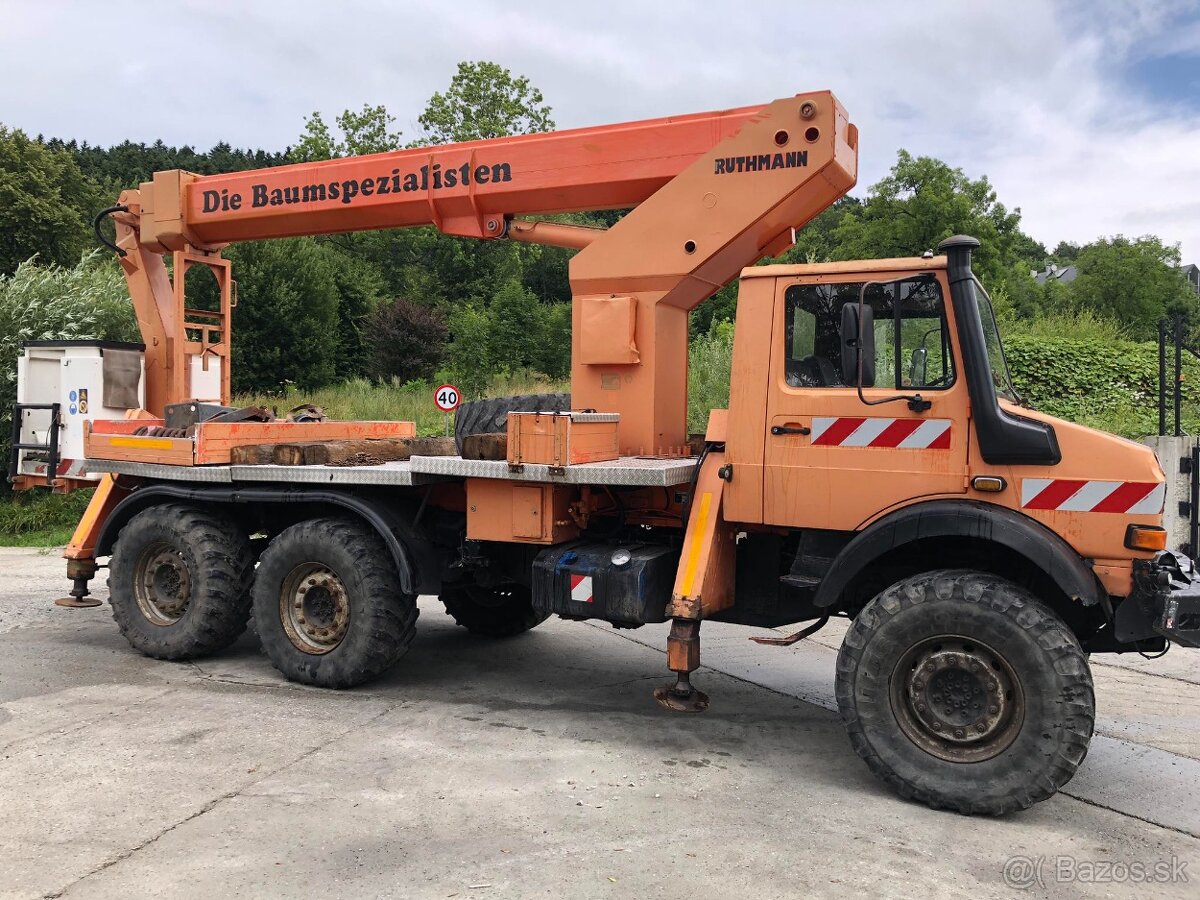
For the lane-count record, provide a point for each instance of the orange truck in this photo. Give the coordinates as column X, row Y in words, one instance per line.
column 874, row 462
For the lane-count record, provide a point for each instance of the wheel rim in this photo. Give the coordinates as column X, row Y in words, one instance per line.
column 957, row 699
column 162, row 584
column 314, row 607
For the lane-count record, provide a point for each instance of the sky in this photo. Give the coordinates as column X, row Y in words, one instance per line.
column 1085, row 115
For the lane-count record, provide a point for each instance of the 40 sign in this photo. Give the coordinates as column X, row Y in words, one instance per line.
column 447, row 398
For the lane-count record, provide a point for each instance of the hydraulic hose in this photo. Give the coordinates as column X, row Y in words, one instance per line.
column 100, row 217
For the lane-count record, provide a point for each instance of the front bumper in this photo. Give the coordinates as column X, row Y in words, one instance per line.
column 1167, row 591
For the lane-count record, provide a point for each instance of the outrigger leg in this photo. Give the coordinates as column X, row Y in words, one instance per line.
column 683, row 658
column 703, row 584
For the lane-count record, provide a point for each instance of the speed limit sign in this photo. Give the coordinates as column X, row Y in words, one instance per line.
column 447, row 397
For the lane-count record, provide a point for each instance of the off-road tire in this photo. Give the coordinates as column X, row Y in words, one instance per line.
column 499, row 612
column 213, row 557
column 491, row 416
column 381, row 618
column 1045, row 747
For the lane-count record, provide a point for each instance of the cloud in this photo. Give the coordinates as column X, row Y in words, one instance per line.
column 1043, row 97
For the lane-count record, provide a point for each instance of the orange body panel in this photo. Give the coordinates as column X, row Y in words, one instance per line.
column 705, row 579
column 519, row 512
column 839, row 487
column 555, row 440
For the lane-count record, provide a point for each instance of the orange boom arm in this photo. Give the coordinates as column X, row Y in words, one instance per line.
column 711, row 192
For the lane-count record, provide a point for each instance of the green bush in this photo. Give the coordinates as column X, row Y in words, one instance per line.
column 709, row 359
column 41, row 518
column 1110, row 384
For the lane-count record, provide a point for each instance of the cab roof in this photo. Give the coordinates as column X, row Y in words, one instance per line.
column 850, row 267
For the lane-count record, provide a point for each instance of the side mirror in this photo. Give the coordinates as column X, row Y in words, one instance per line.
column 918, row 367
column 858, row 336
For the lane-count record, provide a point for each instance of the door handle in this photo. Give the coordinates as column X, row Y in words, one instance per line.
column 788, row 429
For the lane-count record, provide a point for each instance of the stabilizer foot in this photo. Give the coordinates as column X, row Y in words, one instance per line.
column 79, row 598
column 78, row 602
column 681, row 696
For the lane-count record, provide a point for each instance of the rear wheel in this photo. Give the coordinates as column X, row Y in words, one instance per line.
column 328, row 605
column 963, row 691
column 179, row 581
column 501, row 611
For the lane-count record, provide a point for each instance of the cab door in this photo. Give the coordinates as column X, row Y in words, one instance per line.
column 832, row 461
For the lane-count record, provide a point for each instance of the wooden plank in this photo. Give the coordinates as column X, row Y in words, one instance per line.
column 215, row 440
column 373, row 452
column 252, row 455
column 485, row 446
column 341, row 453
column 288, row 455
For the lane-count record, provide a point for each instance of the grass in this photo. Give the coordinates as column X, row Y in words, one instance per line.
column 39, row 518
column 393, row 401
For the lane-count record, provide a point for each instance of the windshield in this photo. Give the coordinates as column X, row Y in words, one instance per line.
column 995, row 350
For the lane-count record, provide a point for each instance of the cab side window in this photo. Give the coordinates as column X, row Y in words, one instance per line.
column 912, row 340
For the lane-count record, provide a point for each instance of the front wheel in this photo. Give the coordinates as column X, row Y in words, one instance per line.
column 328, row 605
column 963, row 691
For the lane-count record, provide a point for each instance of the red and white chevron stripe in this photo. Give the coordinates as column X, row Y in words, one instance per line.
column 902, row 434
column 581, row 588
column 1074, row 495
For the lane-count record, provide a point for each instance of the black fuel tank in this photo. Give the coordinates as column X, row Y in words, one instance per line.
column 627, row 584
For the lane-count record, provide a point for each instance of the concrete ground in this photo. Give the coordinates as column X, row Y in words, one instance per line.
column 533, row 767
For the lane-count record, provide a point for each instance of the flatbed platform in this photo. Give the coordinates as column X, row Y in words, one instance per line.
column 627, row 471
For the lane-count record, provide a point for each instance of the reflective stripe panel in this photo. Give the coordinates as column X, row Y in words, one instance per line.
column 581, row 588
column 1075, row 495
column 901, row 434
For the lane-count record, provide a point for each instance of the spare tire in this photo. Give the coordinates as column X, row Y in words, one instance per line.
column 491, row 416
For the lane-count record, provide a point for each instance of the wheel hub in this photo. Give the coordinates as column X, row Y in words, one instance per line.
column 957, row 699
column 162, row 585
column 957, row 695
column 315, row 608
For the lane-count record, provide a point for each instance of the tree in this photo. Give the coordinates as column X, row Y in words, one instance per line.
column 1134, row 281
column 1066, row 252
column 923, row 201
column 360, row 289
column 285, row 326
column 406, row 340
column 483, row 101
column 359, row 133
column 46, row 203
column 513, row 333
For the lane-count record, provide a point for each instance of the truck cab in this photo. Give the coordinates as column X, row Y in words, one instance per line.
column 873, row 398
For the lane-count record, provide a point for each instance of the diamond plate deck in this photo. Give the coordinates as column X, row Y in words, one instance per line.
column 397, row 474
column 206, row 474
column 628, row 471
